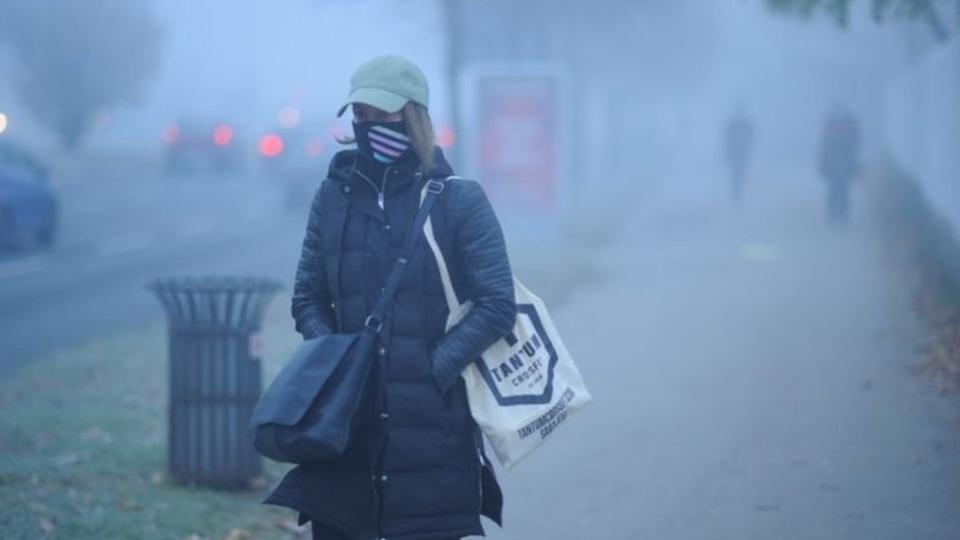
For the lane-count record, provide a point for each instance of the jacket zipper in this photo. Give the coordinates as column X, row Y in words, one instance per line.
column 379, row 191
column 379, row 486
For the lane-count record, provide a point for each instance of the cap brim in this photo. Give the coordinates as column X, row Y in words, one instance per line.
column 382, row 99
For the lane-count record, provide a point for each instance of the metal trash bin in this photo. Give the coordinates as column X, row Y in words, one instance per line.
column 215, row 376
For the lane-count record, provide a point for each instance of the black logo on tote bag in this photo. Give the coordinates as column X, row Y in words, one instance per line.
column 526, row 377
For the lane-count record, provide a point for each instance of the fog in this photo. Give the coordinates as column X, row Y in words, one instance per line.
column 245, row 63
column 742, row 219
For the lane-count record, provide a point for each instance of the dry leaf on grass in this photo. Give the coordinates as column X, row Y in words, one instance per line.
column 66, row 460
column 259, row 482
column 291, row 526
column 238, row 534
column 47, row 525
column 128, row 505
column 95, row 434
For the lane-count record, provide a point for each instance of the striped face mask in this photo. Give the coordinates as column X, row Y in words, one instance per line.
column 384, row 142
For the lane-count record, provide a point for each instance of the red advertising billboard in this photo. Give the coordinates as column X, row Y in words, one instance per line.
column 515, row 135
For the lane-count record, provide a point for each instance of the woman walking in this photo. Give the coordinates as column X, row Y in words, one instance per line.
column 416, row 469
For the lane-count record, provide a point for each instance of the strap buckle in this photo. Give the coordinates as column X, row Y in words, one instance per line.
column 436, row 187
column 373, row 324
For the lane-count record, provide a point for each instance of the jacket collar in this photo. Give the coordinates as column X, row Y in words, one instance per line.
column 347, row 166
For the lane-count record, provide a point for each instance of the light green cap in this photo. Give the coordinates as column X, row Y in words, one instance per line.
column 387, row 83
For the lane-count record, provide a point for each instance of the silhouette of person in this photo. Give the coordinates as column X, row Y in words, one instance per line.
column 738, row 141
column 839, row 161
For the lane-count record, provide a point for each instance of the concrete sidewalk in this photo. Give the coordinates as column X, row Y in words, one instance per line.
column 753, row 379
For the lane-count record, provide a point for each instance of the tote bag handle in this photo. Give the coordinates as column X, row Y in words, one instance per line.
column 453, row 304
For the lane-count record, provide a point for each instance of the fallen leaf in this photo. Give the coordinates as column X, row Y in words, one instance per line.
column 824, row 486
column 259, row 482
column 128, row 505
column 238, row 534
column 47, row 526
column 66, row 460
column 759, row 251
column 292, row 527
column 96, row 434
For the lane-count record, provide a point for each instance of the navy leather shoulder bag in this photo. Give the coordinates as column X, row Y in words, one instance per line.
column 313, row 406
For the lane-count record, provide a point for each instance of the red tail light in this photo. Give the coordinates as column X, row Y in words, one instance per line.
column 171, row 134
column 314, row 147
column 445, row 137
column 222, row 135
column 271, row 145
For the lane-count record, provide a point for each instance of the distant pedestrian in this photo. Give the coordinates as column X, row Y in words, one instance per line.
column 839, row 161
column 737, row 145
column 416, row 468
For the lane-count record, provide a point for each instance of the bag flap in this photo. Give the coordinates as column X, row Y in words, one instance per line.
column 293, row 390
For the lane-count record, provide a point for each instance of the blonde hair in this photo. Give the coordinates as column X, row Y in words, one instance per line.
column 419, row 129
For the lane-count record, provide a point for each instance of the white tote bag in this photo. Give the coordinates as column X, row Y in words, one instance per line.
column 524, row 386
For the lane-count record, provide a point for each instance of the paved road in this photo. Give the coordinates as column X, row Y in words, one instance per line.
column 753, row 380
column 119, row 232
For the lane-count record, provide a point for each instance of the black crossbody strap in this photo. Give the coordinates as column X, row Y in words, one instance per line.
column 374, row 322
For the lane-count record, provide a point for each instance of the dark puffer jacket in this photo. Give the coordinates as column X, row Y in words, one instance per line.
column 418, row 471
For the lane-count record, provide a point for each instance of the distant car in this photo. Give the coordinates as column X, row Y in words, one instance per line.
column 28, row 208
column 298, row 157
column 195, row 146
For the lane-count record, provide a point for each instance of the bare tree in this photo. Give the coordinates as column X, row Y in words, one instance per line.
column 929, row 12
column 77, row 58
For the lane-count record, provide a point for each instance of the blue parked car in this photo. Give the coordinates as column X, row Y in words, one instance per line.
column 28, row 208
